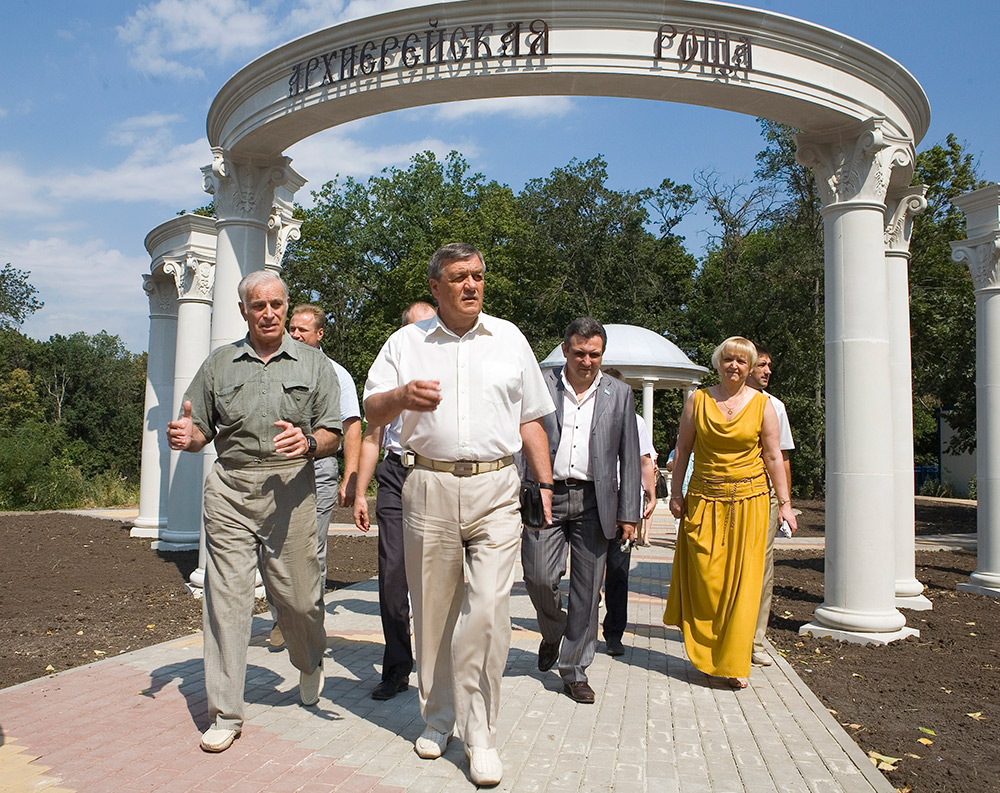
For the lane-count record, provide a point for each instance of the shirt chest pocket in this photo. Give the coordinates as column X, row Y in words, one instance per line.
column 296, row 403
column 231, row 402
column 501, row 383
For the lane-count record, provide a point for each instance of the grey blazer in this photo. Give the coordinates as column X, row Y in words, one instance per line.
column 614, row 440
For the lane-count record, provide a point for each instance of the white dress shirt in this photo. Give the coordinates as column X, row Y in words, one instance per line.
column 572, row 459
column 490, row 385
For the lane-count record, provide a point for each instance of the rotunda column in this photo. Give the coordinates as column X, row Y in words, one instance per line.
column 647, row 404
column 853, row 167
column 155, row 456
column 901, row 206
column 193, row 278
column 981, row 252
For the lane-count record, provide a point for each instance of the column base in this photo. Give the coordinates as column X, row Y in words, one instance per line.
column 169, row 547
column 820, row 631
column 145, row 532
column 976, row 589
column 914, row 602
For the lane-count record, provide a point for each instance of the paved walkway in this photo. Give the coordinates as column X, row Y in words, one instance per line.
column 132, row 723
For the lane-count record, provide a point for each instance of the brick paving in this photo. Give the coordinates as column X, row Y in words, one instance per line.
column 132, row 723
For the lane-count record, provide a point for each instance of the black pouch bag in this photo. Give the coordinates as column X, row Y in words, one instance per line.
column 532, row 514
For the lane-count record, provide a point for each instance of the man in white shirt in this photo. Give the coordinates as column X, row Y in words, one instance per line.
column 592, row 437
column 393, row 593
column 760, row 376
column 469, row 394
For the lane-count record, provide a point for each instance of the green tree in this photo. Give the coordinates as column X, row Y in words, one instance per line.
column 762, row 278
column 17, row 297
column 942, row 303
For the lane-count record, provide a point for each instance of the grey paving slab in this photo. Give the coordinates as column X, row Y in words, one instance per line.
column 658, row 726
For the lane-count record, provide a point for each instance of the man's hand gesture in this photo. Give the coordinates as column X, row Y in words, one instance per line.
column 180, row 432
column 291, row 441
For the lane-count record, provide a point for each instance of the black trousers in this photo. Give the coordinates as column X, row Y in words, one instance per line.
column 393, row 593
column 616, row 591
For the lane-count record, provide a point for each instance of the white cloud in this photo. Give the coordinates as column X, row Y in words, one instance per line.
column 533, row 107
column 85, row 285
column 170, row 37
column 167, row 36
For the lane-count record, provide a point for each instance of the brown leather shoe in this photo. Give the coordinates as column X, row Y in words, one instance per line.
column 579, row 691
column 548, row 654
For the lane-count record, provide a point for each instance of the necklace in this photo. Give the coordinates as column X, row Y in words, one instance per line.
column 738, row 396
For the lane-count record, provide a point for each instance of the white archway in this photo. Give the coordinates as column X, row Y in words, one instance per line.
column 860, row 113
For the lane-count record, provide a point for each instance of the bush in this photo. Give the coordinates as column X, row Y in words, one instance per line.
column 937, row 489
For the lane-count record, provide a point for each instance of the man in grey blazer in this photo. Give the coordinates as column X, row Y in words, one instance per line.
column 592, row 436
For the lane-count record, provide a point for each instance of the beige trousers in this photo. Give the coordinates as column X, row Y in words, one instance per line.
column 461, row 627
column 266, row 513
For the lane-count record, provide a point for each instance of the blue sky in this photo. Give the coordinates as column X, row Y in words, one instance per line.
column 103, row 106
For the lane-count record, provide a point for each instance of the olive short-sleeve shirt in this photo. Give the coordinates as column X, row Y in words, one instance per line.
column 236, row 398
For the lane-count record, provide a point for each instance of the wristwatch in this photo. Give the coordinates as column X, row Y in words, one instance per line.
column 312, row 446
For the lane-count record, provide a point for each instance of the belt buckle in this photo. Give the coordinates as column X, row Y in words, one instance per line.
column 464, row 468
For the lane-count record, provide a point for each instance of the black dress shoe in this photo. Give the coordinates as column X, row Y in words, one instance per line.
column 387, row 689
column 579, row 691
column 615, row 647
column 548, row 654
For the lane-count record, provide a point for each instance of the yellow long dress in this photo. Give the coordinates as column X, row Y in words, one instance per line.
column 719, row 559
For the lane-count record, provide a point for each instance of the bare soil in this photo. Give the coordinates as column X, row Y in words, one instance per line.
column 74, row 589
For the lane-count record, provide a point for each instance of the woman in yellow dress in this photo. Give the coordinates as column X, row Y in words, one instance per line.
column 719, row 559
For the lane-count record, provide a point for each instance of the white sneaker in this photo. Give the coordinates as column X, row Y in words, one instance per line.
column 485, row 767
column 217, row 739
column 310, row 685
column 431, row 743
column 760, row 658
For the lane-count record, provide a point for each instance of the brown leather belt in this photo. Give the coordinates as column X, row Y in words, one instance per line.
column 462, row 467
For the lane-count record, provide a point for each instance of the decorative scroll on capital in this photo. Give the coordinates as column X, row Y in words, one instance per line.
column 982, row 256
column 243, row 189
column 854, row 165
column 162, row 297
column 194, row 278
column 281, row 227
column 900, row 209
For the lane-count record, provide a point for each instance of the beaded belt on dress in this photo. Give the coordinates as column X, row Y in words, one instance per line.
column 731, row 491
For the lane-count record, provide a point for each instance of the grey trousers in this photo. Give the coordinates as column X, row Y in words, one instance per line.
column 327, row 480
column 768, row 583
column 264, row 514
column 543, row 557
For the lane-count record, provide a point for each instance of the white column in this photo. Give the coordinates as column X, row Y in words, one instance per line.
column 853, row 169
column 244, row 193
column 981, row 251
column 901, row 206
column 155, row 470
column 647, row 405
column 194, row 279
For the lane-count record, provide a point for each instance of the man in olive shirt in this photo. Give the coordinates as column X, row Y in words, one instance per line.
column 259, row 497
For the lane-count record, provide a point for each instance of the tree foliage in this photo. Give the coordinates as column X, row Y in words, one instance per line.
column 17, row 297
column 942, row 303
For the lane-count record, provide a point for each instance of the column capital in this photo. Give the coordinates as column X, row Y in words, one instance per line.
column 900, row 208
column 854, row 164
column 194, row 278
column 982, row 256
column 162, row 297
column 244, row 188
column 281, row 227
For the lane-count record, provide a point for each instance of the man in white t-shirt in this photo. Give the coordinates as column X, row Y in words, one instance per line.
column 759, row 377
